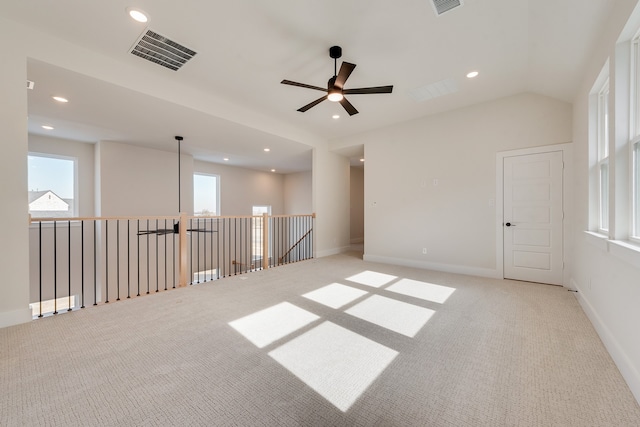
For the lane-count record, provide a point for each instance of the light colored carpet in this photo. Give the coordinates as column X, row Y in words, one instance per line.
column 433, row 350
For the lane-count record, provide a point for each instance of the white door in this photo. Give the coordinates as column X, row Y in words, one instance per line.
column 532, row 217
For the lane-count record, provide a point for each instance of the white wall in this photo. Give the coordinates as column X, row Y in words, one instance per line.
column 84, row 154
column 356, row 197
column 297, row 193
column 330, row 202
column 138, row 181
column 455, row 219
column 240, row 188
column 14, row 292
column 608, row 283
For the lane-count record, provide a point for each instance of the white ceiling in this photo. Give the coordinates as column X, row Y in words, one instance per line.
column 245, row 48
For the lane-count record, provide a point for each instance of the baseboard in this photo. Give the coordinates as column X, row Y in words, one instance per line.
column 332, row 251
column 625, row 365
column 10, row 318
column 447, row 268
column 356, row 240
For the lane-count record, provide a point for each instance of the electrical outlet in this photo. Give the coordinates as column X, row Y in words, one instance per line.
column 436, row 181
column 424, row 251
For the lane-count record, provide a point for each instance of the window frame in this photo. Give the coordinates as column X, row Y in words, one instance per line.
column 602, row 159
column 634, row 142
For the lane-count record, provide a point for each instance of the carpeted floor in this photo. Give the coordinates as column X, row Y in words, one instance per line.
column 334, row 341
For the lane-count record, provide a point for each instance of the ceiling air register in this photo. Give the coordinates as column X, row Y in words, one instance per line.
column 442, row 6
column 161, row 50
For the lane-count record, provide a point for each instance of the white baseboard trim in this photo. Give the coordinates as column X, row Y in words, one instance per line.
column 16, row 317
column 447, row 268
column 625, row 365
column 357, row 240
column 332, row 251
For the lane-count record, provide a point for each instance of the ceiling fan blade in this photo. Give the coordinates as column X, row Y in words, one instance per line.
column 289, row 82
column 345, row 71
column 312, row 104
column 347, row 106
column 365, row 90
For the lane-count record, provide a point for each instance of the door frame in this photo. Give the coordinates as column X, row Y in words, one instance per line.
column 567, row 201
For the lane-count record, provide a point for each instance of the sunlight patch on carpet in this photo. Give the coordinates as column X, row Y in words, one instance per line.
column 335, row 295
column 406, row 319
column 268, row 325
column 371, row 278
column 422, row 290
column 335, row 362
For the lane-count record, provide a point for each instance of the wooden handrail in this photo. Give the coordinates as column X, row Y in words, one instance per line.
column 294, row 245
column 148, row 217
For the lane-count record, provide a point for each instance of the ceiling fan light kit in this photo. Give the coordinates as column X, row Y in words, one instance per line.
column 335, row 86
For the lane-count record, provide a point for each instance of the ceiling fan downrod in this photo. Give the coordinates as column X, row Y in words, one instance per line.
column 335, row 52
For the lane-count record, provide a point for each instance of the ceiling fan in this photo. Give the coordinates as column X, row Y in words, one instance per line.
column 335, row 87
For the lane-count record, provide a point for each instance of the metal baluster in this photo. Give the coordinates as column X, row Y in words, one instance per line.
column 198, row 250
column 138, row 259
column 69, row 254
column 191, row 254
column 95, row 264
column 55, row 269
column 82, row 260
column 157, row 260
column 117, row 260
column 40, row 264
column 148, row 257
column 106, row 261
column 218, row 247
column 165, row 253
column 174, row 254
column 128, row 259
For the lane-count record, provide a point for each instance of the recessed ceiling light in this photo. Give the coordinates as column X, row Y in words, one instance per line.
column 335, row 116
column 362, row 160
column 273, row 170
column 137, row 14
column 60, row 99
column 472, row 74
column 226, row 159
column 267, row 149
column 47, row 127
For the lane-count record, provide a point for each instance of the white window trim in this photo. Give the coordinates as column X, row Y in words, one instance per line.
column 602, row 148
column 634, row 147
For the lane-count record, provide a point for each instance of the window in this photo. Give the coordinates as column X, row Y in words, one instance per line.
column 257, row 231
column 206, row 201
column 52, row 186
column 603, row 158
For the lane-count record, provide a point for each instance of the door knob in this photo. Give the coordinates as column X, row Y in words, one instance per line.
column 508, row 224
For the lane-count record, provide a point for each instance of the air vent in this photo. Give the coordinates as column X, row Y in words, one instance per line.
column 162, row 50
column 443, row 6
column 433, row 90
column 30, row 84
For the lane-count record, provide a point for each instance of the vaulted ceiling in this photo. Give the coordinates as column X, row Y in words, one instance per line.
column 245, row 48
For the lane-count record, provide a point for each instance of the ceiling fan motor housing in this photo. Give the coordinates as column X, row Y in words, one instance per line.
column 335, row 52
